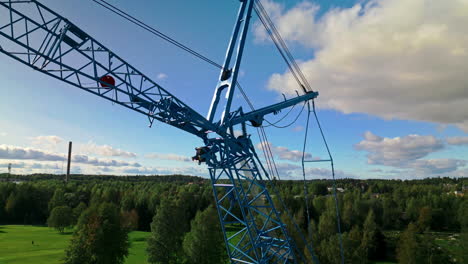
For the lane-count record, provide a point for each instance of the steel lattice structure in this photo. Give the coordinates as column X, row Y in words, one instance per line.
column 36, row 36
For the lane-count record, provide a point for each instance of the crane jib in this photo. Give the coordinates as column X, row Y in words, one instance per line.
column 51, row 44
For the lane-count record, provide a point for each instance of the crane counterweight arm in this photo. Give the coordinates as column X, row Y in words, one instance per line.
column 45, row 41
column 256, row 117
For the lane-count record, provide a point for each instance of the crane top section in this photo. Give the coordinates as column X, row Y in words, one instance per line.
column 47, row 42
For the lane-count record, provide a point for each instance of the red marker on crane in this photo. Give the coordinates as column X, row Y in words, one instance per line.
column 107, row 81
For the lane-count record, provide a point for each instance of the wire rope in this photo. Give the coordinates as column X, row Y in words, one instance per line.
column 154, row 31
column 260, row 10
column 338, row 222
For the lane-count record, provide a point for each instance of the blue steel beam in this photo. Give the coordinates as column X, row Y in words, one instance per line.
column 228, row 76
column 257, row 116
column 49, row 43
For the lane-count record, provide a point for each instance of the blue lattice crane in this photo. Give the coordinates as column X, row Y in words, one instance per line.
column 36, row 36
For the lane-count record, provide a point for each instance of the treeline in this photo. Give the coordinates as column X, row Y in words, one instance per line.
column 389, row 220
column 31, row 201
column 381, row 220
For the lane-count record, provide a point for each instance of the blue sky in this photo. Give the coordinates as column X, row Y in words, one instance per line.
column 393, row 88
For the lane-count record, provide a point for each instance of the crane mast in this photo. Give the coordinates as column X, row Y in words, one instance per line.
column 36, row 36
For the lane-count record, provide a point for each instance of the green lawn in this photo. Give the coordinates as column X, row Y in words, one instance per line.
column 16, row 245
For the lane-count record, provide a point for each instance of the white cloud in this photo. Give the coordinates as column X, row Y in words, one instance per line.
column 51, row 142
column 407, row 152
column 3, row 134
column 457, row 140
column 397, row 151
column 168, row 157
column 162, row 76
column 13, row 164
column 104, row 150
column 438, row 166
column 103, row 162
column 190, row 170
column 295, row 24
column 27, row 165
column 396, row 59
column 284, row 153
column 20, row 153
column 293, row 171
column 46, row 142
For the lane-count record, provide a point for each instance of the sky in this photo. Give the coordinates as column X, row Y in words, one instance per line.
column 392, row 77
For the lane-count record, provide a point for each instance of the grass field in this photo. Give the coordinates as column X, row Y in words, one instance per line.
column 16, row 245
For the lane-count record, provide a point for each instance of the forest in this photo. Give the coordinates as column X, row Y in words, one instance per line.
column 382, row 221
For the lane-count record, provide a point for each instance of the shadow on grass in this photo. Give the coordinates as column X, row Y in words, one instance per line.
column 66, row 233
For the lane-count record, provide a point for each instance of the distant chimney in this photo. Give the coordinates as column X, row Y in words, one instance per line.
column 69, row 160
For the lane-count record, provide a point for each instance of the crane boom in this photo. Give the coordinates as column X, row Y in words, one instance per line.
column 49, row 43
column 36, row 36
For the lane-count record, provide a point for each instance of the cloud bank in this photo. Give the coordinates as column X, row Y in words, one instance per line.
column 169, row 156
column 285, row 153
column 396, row 59
column 105, row 150
column 457, row 141
column 20, row 153
column 407, row 153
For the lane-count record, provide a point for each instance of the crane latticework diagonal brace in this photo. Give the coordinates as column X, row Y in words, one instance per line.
column 253, row 228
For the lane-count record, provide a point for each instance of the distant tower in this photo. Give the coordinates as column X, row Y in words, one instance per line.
column 69, row 160
column 9, row 168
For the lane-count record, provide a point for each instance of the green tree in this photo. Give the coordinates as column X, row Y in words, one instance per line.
column 58, row 199
column 327, row 225
column 407, row 251
column 329, row 250
column 312, row 241
column 77, row 211
column 424, row 219
column 414, row 248
column 60, row 218
column 369, row 240
column 391, row 214
column 130, row 219
column 347, row 215
column 165, row 242
column 319, row 188
column 352, row 243
column 413, row 209
column 463, row 220
column 204, row 244
column 99, row 237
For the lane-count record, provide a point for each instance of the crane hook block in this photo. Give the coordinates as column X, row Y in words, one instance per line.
column 201, row 154
column 107, row 81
